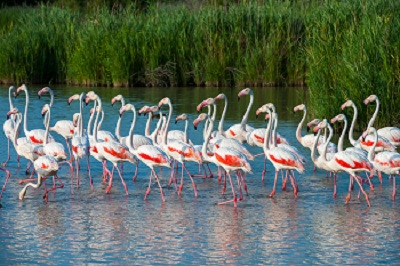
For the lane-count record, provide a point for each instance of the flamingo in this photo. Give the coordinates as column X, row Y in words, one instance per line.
column 149, row 154
column 390, row 133
column 36, row 136
column 44, row 166
column 239, row 131
column 112, row 151
column 9, row 126
column 349, row 162
column 227, row 158
column 80, row 140
column 365, row 144
column 178, row 150
column 331, row 148
column 281, row 158
column 387, row 162
column 65, row 128
column 306, row 141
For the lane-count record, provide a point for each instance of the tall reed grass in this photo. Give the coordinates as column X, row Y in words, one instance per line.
column 339, row 49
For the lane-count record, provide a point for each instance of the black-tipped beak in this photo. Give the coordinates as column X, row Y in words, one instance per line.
column 256, row 116
column 39, row 97
column 120, row 115
column 238, row 98
column 112, row 105
column 176, row 121
column 195, row 127
column 8, row 117
column 43, row 115
column 308, row 129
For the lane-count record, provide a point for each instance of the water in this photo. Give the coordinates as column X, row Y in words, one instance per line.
column 90, row 227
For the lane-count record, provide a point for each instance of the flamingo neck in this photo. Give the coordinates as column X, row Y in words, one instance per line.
column 26, row 112
column 164, row 141
column 325, row 147
column 274, row 134
column 186, row 138
column 47, row 124
column 51, row 97
column 17, row 126
column 221, row 122
column 298, row 131
column 246, row 115
column 267, row 136
column 117, row 128
column 351, row 138
column 371, row 152
column 372, row 120
column 80, row 130
column 95, row 122
column 147, row 129
column 101, row 120
column 341, row 139
column 10, row 100
column 314, row 148
column 131, row 130
column 206, row 125
column 89, row 126
column 205, row 144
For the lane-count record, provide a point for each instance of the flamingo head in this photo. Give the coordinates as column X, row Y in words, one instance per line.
column 206, row 102
column 220, row 97
column 312, row 123
column 152, row 109
column 126, row 107
column 348, row 103
column 74, row 97
column 143, row 109
column 271, row 106
column 181, row 117
column 45, row 108
column 246, row 91
column 12, row 112
column 45, row 89
column 370, row 99
column 339, row 117
column 263, row 109
column 321, row 125
column 119, row 97
column 267, row 116
column 19, row 89
column 299, row 107
column 75, row 118
column 164, row 101
column 201, row 117
column 370, row 130
column 90, row 96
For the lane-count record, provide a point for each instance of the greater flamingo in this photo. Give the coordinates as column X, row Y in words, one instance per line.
column 149, row 154
column 227, row 158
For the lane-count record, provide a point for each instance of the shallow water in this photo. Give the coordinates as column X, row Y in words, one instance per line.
column 91, row 227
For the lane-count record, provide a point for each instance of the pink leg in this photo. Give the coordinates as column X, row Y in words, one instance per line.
column 8, row 157
column 181, row 185
column 28, row 168
column 158, row 181
column 136, row 171
column 362, row 190
column 292, row 179
column 219, row 175
column 224, row 187
column 90, row 175
column 380, row 177
column 122, row 180
column 148, row 188
column 369, row 181
column 284, row 180
column 234, row 200
column 394, row 188
column 334, row 186
column 110, row 181
column 18, row 159
column 71, row 158
column 274, row 188
column 5, row 184
column 265, row 168
column 193, row 183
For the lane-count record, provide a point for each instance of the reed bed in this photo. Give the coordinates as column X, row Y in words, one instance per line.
column 340, row 49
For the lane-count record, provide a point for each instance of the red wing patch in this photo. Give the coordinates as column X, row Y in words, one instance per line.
column 259, row 139
column 232, row 133
column 357, row 165
column 283, row 161
column 71, row 131
column 44, row 166
column 121, row 154
column 157, row 159
column 35, row 140
column 75, row 149
column 94, row 149
column 230, row 160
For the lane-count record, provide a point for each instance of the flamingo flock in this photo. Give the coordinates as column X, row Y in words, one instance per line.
column 374, row 153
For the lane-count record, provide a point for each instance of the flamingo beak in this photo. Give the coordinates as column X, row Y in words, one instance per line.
column 343, row 106
column 316, row 129
column 308, row 129
column 366, row 101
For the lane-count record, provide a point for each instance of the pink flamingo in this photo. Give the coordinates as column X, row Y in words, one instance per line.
column 306, row 141
column 349, row 162
column 227, row 158
column 387, row 162
column 178, row 150
column 112, row 151
column 149, row 154
column 36, row 136
column 390, row 133
column 65, row 128
column 281, row 158
column 44, row 166
column 9, row 126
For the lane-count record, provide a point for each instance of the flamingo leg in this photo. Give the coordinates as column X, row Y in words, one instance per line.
column 181, row 185
column 193, row 183
column 380, row 176
column 284, row 180
column 275, row 180
column 28, row 168
column 122, row 180
column 394, row 188
column 265, row 168
column 292, row 179
column 334, row 186
column 110, row 181
column 224, row 187
column 5, row 183
column 136, row 171
column 148, row 188
column 71, row 158
column 211, row 174
column 348, row 197
column 53, row 188
column 18, row 160
column 8, row 157
column 239, row 186
column 363, row 191
column 219, row 175
column 369, row 181
column 244, row 182
column 90, row 175
column 234, row 200
column 158, row 181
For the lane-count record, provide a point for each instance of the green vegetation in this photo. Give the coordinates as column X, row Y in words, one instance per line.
column 340, row 49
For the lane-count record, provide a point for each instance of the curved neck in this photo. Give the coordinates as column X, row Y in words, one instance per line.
column 298, row 131
column 371, row 152
column 314, row 148
column 352, row 141
column 208, row 135
column 26, row 112
column 147, row 129
column 132, row 129
column 372, row 120
column 206, row 125
column 10, row 91
column 246, row 115
column 51, row 97
column 186, row 139
column 17, row 126
column 274, row 134
column 341, row 139
column 47, row 122
column 117, row 128
column 325, row 147
column 80, row 131
column 164, row 141
column 95, row 122
column 266, row 136
column 89, row 126
column 221, row 122
column 102, row 118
